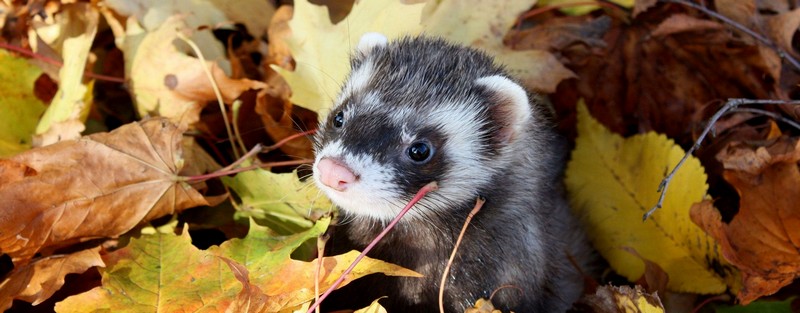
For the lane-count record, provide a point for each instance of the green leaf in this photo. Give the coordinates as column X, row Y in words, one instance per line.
column 279, row 201
column 19, row 108
column 159, row 272
column 613, row 181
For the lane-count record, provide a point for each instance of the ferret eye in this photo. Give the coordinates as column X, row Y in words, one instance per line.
column 419, row 152
column 338, row 119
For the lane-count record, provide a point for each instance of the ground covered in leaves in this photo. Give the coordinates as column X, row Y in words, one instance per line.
column 151, row 152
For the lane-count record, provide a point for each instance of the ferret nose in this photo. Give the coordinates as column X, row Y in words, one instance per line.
column 335, row 175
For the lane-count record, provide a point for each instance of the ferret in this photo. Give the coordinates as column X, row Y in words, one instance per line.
column 420, row 109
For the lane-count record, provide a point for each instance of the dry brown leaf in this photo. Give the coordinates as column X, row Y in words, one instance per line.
column 763, row 239
column 663, row 74
column 781, row 28
column 277, row 113
column 38, row 280
column 741, row 11
column 558, row 33
column 640, row 6
column 678, row 23
column 11, row 171
column 97, row 186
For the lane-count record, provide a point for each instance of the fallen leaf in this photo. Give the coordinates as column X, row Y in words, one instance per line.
column 781, row 28
column 279, row 201
column 254, row 14
column 290, row 283
column 579, row 7
column 623, row 299
column 168, row 82
column 374, row 307
column 64, row 118
column 613, row 181
column 159, row 272
column 763, row 238
column 483, row 24
column 38, row 280
column 97, row 186
column 482, row 306
column 165, row 272
column 251, row 298
column 19, row 108
column 322, row 50
column 678, row 23
column 201, row 15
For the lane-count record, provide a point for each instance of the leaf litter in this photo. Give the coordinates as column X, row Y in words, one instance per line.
column 641, row 66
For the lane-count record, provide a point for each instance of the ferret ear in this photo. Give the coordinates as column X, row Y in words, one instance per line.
column 369, row 41
column 511, row 108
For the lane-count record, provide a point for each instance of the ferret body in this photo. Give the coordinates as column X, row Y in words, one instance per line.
column 418, row 110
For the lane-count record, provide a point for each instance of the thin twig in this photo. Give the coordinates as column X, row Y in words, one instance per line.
column 773, row 115
column 478, row 204
column 214, row 86
column 199, row 178
column 730, row 105
column 287, row 139
column 421, row 193
column 766, row 41
column 57, row 63
column 255, row 150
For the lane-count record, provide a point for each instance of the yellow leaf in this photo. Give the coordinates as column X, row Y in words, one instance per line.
column 65, row 116
column 483, row 24
column 169, row 82
column 571, row 9
column 322, row 50
column 613, row 181
column 19, row 107
column 280, row 201
column 374, row 307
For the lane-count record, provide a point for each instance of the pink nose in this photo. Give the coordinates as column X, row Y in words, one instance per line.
column 335, row 175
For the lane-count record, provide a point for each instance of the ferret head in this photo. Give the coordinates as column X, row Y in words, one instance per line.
column 414, row 111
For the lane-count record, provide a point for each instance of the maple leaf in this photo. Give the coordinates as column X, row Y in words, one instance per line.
column 613, row 181
column 161, row 271
column 97, row 186
column 19, row 107
column 763, row 238
column 280, row 201
column 166, row 272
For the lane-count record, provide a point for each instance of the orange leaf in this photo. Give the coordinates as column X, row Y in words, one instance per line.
column 763, row 239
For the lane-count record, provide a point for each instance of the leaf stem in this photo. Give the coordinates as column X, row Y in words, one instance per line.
column 432, row 186
column 478, row 205
column 220, row 173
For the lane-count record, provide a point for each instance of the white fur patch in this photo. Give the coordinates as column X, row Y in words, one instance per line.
column 371, row 40
column 374, row 195
column 516, row 102
column 461, row 126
